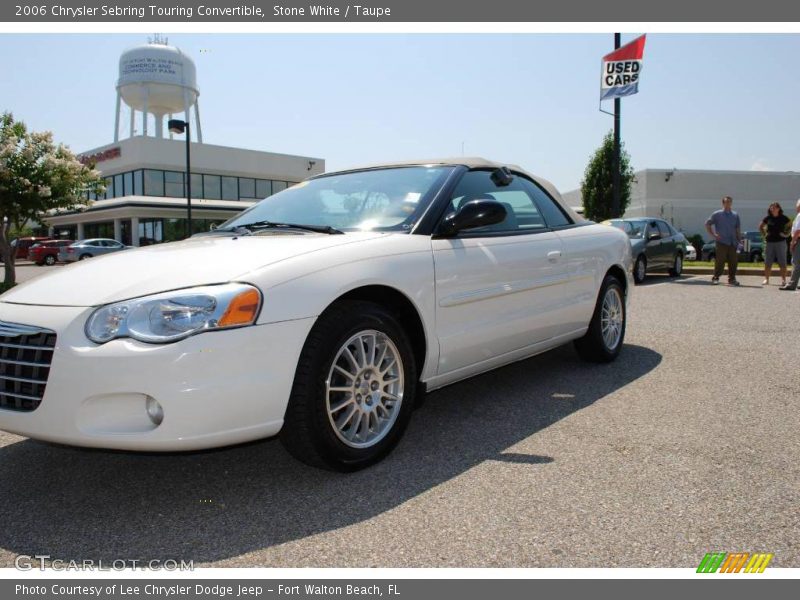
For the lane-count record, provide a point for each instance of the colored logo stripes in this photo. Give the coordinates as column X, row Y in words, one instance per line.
column 734, row 562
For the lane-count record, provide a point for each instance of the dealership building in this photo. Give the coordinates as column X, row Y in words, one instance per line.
column 686, row 197
column 145, row 201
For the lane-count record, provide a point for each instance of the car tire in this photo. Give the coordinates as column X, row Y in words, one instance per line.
column 640, row 269
column 677, row 266
column 341, row 415
column 84, row 256
column 603, row 341
column 755, row 257
column 49, row 260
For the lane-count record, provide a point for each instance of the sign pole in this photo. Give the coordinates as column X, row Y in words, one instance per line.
column 615, row 201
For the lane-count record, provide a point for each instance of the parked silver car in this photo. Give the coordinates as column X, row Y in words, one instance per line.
column 89, row 248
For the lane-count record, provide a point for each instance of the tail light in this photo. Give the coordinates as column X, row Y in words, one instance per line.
column 70, row 250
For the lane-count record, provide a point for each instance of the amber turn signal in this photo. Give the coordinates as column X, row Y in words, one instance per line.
column 242, row 309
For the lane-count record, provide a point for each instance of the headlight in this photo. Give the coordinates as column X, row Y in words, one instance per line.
column 172, row 316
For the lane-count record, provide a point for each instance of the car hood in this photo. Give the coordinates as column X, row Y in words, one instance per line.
column 163, row 267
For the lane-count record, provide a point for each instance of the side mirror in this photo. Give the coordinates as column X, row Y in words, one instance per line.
column 475, row 213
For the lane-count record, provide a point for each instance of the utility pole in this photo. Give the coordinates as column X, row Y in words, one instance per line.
column 615, row 200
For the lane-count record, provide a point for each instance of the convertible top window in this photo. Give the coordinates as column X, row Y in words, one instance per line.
column 390, row 199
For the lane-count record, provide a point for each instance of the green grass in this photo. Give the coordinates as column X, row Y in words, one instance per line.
column 747, row 265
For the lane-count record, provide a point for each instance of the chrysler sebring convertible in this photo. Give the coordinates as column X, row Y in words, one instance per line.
column 320, row 314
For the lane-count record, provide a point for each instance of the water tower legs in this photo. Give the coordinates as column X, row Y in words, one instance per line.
column 116, row 118
column 159, row 125
column 144, row 110
column 197, row 121
column 133, row 121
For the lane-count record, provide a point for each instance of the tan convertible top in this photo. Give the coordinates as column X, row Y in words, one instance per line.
column 473, row 162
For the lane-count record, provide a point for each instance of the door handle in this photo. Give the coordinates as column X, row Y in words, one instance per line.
column 554, row 255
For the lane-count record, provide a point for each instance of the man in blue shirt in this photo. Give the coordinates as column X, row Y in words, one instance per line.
column 724, row 227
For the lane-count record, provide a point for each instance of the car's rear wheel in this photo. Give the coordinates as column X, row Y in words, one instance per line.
column 677, row 265
column 84, row 256
column 640, row 269
column 603, row 341
column 49, row 260
column 353, row 391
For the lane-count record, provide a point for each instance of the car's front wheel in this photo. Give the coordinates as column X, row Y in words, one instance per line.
column 603, row 341
column 640, row 269
column 353, row 391
column 677, row 266
column 49, row 260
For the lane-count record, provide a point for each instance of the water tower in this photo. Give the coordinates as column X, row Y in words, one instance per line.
column 157, row 79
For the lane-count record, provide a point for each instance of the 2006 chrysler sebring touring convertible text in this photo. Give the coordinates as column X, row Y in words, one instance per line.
column 319, row 314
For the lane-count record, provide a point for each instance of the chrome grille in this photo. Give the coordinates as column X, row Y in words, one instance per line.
column 25, row 356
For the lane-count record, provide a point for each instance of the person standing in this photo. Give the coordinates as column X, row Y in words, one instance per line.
column 725, row 228
column 794, row 246
column 774, row 228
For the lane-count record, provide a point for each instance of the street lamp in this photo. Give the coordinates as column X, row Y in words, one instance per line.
column 178, row 126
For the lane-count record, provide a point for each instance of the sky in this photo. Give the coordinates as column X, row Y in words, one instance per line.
column 710, row 101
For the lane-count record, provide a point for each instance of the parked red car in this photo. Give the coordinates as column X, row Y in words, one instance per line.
column 22, row 245
column 46, row 253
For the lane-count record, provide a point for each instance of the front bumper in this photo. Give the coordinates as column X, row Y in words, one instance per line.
column 216, row 388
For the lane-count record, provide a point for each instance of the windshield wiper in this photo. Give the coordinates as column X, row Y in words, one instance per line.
column 250, row 228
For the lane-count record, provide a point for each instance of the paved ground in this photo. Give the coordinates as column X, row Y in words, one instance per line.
column 687, row 444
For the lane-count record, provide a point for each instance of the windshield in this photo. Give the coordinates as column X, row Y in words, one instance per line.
column 391, row 199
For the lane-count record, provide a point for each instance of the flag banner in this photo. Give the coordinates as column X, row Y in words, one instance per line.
column 621, row 70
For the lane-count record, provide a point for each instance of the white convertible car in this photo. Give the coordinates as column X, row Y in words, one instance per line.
column 319, row 314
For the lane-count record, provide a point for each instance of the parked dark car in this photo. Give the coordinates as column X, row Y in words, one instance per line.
column 750, row 251
column 46, row 253
column 656, row 246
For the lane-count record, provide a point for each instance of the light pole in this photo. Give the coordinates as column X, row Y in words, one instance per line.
column 178, row 126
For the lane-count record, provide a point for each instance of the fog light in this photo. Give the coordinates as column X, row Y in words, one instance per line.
column 154, row 411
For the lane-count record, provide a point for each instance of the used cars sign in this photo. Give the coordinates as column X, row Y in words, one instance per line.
column 621, row 70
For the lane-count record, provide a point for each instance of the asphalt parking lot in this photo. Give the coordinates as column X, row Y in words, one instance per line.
column 687, row 444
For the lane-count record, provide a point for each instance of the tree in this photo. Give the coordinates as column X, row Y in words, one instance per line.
column 36, row 176
column 597, row 184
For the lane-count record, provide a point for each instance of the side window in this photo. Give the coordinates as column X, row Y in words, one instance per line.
column 652, row 228
column 553, row 215
column 522, row 213
column 664, row 229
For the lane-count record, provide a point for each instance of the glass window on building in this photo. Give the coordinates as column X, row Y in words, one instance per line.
column 109, row 187
column 212, row 187
column 128, row 183
column 151, row 231
column 99, row 230
column 278, row 186
column 125, row 229
column 174, row 229
column 173, row 184
column 197, row 185
column 119, row 190
column 137, row 183
column 230, row 188
column 247, row 188
column 153, row 182
column 263, row 188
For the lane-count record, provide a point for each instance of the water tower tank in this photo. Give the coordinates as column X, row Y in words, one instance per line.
column 157, row 79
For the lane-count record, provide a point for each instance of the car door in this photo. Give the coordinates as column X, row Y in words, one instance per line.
column 669, row 244
column 653, row 246
column 498, row 288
